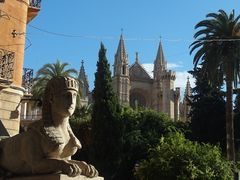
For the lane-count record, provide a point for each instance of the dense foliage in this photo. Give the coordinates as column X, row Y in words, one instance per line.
column 142, row 130
column 237, row 124
column 217, row 52
column 82, row 130
column 80, row 123
column 178, row 158
column 207, row 111
column 106, row 124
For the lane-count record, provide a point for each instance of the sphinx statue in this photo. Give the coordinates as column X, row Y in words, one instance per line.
column 48, row 144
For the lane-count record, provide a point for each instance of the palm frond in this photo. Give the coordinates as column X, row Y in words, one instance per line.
column 47, row 72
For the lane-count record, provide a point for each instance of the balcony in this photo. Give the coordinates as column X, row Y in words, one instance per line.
column 6, row 66
column 27, row 80
column 35, row 3
column 33, row 9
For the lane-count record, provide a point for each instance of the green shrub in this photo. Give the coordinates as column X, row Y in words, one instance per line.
column 178, row 158
column 142, row 130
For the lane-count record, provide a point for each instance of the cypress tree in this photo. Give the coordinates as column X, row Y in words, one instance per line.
column 106, row 124
column 207, row 111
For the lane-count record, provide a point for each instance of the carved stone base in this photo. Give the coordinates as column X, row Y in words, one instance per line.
column 10, row 109
column 52, row 177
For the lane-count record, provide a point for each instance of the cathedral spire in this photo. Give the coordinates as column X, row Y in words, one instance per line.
column 83, row 80
column 187, row 96
column 159, row 64
column 82, row 75
column 188, row 88
column 160, row 60
column 82, row 70
column 136, row 59
column 121, row 78
column 121, row 55
column 121, row 59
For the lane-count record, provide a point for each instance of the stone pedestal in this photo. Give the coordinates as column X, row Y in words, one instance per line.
column 52, row 177
column 10, row 108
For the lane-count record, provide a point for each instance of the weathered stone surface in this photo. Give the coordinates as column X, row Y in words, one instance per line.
column 48, row 145
column 9, row 109
column 53, row 177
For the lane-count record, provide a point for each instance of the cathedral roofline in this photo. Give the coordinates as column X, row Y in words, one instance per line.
column 137, row 63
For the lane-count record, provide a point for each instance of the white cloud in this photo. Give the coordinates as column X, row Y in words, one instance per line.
column 173, row 65
column 181, row 81
column 149, row 68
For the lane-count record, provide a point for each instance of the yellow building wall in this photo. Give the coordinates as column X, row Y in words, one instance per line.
column 13, row 17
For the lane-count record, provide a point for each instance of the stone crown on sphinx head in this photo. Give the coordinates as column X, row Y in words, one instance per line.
column 71, row 83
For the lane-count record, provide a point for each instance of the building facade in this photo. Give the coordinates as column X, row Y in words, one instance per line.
column 14, row 16
column 135, row 87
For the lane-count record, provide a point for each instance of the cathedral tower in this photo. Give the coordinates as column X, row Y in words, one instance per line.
column 164, row 94
column 84, row 86
column 159, row 69
column 168, row 79
column 121, row 79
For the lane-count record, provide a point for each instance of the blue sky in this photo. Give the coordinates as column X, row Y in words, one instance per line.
column 80, row 26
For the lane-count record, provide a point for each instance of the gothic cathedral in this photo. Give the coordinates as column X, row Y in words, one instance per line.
column 135, row 87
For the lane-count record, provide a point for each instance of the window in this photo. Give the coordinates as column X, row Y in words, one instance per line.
column 124, row 70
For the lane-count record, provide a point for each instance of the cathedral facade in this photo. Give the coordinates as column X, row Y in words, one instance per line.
column 135, row 87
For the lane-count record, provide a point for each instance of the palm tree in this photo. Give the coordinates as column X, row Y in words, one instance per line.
column 47, row 72
column 218, row 54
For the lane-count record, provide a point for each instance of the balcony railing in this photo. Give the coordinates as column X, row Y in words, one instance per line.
column 35, row 3
column 27, row 79
column 6, row 64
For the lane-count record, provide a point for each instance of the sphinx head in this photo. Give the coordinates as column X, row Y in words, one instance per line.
column 59, row 98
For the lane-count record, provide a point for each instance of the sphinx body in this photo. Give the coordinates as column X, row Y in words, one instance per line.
column 35, row 152
column 48, row 145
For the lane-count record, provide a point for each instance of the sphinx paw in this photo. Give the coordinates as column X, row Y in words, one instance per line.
column 71, row 169
column 92, row 171
column 88, row 170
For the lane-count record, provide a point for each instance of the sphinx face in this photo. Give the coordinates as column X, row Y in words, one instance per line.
column 64, row 104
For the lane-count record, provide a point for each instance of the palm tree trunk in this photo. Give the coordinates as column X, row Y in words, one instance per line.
column 229, row 114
